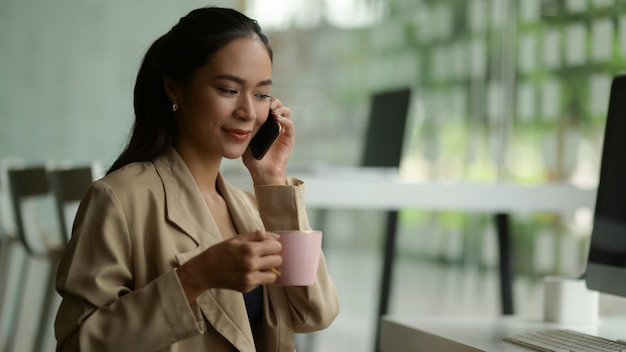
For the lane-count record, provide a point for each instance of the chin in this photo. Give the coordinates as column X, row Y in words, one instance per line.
column 233, row 155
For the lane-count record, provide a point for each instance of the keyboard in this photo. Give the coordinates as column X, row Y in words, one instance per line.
column 564, row 340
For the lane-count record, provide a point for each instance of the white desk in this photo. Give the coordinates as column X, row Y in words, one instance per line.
column 462, row 334
column 462, row 196
column 369, row 189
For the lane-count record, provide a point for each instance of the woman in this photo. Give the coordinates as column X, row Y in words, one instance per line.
column 162, row 246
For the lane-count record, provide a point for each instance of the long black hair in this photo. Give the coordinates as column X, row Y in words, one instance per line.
column 189, row 45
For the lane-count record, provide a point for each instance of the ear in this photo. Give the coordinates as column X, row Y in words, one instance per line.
column 172, row 90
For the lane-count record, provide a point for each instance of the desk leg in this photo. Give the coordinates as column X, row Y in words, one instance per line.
column 388, row 257
column 504, row 245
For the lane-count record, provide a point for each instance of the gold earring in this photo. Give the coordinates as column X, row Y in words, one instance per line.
column 174, row 107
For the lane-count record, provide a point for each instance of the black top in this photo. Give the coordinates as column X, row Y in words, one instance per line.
column 254, row 304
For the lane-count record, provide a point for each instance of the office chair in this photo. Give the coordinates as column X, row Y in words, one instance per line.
column 29, row 186
column 68, row 186
column 11, row 254
column 7, row 251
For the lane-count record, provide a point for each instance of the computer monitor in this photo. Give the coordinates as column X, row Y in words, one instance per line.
column 606, row 262
column 386, row 129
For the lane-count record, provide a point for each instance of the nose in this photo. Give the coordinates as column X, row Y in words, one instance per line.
column 245, row 108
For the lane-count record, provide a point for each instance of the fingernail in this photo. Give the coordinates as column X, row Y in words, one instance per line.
column 274, row 235
column 273, row 105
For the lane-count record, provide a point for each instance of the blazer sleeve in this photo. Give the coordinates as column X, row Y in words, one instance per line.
column 313, row 307
column 101, row 310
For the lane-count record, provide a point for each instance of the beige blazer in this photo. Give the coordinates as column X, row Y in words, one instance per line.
column 135, row 227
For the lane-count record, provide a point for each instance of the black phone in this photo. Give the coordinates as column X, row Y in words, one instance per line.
column 265, row 137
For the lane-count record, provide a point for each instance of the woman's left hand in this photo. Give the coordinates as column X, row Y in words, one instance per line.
column 271, row 169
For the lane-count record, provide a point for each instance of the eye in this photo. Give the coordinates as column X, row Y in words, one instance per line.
column 263, row 96
column 228, row 91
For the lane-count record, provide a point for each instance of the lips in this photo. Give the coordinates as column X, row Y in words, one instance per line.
column 237, row 134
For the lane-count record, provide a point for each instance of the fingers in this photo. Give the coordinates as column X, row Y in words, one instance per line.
column 258, row 236
column 283, row 116
column 262, row 257
column 279, row 110
column 260, row 250
column 288, row 128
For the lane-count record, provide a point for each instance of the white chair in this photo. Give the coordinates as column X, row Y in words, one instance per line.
column 30, row 193
column 42, row 242
column 68, row 186
column 12, row 255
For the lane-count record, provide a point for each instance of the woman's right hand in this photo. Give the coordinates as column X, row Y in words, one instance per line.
column 240, row 263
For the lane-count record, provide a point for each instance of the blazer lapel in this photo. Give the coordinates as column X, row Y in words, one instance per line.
column 184, row 204
column 244, row 216
column 223, row 309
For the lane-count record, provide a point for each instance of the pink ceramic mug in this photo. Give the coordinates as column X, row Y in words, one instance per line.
column 301, row 255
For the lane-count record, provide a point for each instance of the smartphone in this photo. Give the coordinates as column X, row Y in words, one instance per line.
column 265, row 137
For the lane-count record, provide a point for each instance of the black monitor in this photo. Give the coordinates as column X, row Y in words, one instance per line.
column 387, row 125
column 606, row 262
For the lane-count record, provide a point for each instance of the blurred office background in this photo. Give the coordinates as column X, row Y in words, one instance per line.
column 505, row 91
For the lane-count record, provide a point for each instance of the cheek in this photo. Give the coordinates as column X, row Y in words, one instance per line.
column 197, row 113
column 263, row 113
column 204, row 111
column 200, row 103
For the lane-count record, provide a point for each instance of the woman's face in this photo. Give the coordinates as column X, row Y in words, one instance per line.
column 226, row 101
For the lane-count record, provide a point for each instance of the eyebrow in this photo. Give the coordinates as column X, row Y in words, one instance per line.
column 239, row 80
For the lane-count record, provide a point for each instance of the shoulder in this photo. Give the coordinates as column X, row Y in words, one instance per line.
column 131, row 176
column 133, row 180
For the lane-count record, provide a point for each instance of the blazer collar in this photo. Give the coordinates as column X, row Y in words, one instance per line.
column 184, row 205
column 245, row 217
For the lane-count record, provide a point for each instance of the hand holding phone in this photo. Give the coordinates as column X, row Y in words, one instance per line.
column 265, row 137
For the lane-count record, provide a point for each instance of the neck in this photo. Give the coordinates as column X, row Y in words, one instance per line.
column 204, row 169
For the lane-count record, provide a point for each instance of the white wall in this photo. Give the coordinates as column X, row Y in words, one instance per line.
column 67, row 71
